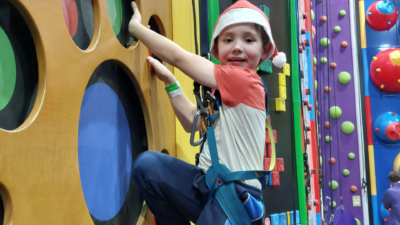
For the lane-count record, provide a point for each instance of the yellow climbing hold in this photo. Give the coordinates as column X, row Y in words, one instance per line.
column 382, row 86
column 375, row 58
column 395, row 57
column 378, row 70
column 398, row 81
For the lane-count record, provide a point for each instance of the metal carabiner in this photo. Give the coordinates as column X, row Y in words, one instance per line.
column 193, row 131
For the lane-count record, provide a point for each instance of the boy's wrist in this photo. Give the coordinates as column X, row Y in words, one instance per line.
column 170, row 81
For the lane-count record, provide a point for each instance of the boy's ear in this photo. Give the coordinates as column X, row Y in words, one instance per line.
column 265, row 52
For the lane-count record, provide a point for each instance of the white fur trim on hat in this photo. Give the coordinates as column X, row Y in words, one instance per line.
column 279, row 60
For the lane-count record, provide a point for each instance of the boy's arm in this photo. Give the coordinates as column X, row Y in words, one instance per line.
column 196, row 67
column 184, row 109
column 387, row 200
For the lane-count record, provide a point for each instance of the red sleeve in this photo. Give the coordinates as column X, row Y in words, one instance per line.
column 233, row 83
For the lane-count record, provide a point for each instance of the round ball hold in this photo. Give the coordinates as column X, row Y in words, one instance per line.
column 324, row 42
column 313, row 30
column 316, row 85
column 327, row 124
column 324, row 60
column 358, row 222
column 347, row 127
column 351, row 156
column 320, row 161
column 333, row 185
column 336, row 29
column 312, row 15
column 344, row 44
column 323, row 19
column 327, row 89
column 315, row 60
column 332, row 161
column 328, row 138
column 346, row 172
column 333, row 65
column 342, row 13
column 335, row 112
column 344, row 77
column 333, row 204
column 319, row 114
column 353, row 188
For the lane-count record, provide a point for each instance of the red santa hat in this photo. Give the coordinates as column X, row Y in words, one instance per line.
column 245, row 12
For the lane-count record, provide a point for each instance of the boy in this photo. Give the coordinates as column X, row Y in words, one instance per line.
column 391, row 199
column 176, row 192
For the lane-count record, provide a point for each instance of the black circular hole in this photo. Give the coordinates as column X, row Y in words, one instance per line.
column 18, row 68
column 79, row 18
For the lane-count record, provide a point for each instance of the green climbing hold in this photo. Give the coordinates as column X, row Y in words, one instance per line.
column 328, row 138
column 346, row 172
column 333, row 185
column 320, row 161
column 315, row 61
column 316, row 104
column 335, row 112
column 316, row 85
column 351, row 156
column 344, row 77
column 324, row 60
column 358, row 222
column 333, row 204
column 324, row 42
column 347, row 127
column 312, row 15
column 342, row 13
column 336, row 29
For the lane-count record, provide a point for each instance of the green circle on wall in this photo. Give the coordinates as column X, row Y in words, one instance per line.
column 312, row 15
column 346, row 172
column 335, row 112
column 351, row 156
column 115, row 14
column 358, row 222
column 333, row 185
column 344, row 77
column 8, row 70
column 342, row 13
column 347, row 127
column 324, row 60
column 324, row 42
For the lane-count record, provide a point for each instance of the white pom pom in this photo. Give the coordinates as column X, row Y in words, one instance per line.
column 279, row 60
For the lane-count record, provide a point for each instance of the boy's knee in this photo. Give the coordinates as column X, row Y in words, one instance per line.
column 143, row 164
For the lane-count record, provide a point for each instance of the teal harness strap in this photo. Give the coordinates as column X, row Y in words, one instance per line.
column 224, row 192
column 220, row 180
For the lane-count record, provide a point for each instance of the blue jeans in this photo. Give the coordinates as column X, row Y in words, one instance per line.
column 176, row 192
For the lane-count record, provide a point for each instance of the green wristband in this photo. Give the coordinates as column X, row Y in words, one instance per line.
column 173, row 86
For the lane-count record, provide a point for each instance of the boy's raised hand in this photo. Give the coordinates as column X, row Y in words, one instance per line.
column 135, row 18
column 161, row 71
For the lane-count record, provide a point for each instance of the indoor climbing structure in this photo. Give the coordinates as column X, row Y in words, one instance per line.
column 340, row 122
column 379, row 24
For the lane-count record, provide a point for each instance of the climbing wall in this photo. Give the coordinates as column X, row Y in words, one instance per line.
column 282, row 194
column 379, row 28
column 78, row 103
column 339, row 111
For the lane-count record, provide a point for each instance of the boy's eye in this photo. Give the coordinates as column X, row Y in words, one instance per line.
column 248, row 40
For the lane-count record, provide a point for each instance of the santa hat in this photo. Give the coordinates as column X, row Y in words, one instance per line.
column 245, row 12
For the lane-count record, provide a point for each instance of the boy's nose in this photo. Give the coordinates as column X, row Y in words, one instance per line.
column 237, row 48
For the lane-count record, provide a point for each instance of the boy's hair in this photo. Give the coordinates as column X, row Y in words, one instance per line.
column 264, row 35
column 394, row 176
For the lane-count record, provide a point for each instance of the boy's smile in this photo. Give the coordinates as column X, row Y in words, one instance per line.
column 240, row 45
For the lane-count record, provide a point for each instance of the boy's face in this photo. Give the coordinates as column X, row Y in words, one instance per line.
column 240, row 45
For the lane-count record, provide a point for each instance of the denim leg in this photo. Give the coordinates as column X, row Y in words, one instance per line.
column 165, row 183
